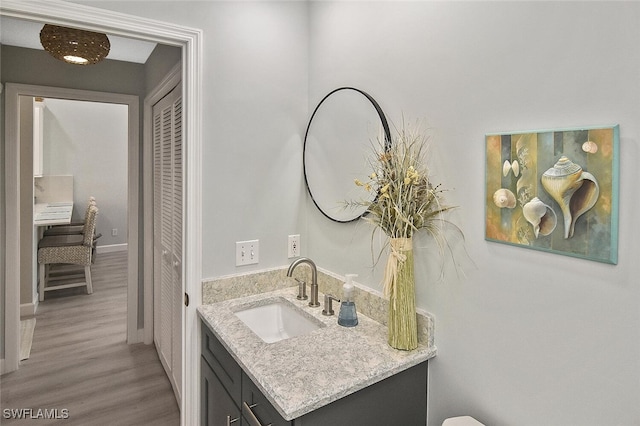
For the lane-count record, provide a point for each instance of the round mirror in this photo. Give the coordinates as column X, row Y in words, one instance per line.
column 342, row 133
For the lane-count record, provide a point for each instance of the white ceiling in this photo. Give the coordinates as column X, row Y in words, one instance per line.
column 17, row 32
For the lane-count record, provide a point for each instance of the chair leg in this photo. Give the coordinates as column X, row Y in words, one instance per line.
column 43, row 280
column 87, row 276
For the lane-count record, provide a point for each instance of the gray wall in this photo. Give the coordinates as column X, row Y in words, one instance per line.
column 254, row 118
column 2, row 216
column 27, row 289
column 27, row 66
column 160, row 62
column 89, row 140
column 526, row 338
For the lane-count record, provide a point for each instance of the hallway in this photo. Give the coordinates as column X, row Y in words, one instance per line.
column 81, row 366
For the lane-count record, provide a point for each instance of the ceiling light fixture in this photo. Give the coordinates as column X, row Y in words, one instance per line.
column 74, row 46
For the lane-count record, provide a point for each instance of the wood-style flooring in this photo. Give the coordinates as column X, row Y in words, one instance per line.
column 80, row 361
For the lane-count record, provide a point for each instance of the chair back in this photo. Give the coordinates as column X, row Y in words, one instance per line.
column 91, row 202
column 90, row 226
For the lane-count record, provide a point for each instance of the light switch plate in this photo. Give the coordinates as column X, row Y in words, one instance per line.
column 247, row 252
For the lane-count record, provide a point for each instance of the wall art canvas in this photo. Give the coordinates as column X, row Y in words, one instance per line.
column 555, row 191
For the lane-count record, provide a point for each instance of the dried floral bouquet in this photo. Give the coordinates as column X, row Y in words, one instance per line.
column 405, row 202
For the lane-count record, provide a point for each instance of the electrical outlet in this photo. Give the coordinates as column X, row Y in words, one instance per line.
column 293, row 249
column 247, row 252
column 114, row 232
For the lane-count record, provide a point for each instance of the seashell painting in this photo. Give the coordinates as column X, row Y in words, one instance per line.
column 507, row 167
column 575, row 191
column 504, row 198
column 554, row 191
column 590, row 146
column 540, row 216
column 515, row 166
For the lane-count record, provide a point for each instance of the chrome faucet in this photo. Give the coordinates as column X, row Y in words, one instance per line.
column 314, row 278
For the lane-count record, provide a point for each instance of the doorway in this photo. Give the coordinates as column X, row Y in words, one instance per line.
column 190, row 40
column 80, row 151
column 13, row 196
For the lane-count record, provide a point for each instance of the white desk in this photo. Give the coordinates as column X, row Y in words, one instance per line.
column 46, row 214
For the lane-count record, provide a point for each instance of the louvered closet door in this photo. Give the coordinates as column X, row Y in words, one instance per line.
column 176, row 347
column 167, row 228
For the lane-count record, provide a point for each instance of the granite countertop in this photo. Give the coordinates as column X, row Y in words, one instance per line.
column 303, row 373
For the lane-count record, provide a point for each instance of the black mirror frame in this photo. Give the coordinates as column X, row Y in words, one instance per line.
column 387, row 145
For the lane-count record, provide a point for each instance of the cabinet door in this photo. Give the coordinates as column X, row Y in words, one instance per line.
column 256, row 408
column 217, row 407
column 223, row 365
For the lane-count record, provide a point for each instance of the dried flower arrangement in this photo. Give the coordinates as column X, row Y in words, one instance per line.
column 405, row 202
column 406, row 199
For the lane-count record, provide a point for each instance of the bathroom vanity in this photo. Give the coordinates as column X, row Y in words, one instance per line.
column 330, row 375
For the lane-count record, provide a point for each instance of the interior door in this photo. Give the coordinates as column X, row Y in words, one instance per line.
column 167, row 231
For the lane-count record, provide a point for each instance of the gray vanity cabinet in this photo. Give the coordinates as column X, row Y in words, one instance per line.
column 230, row 398
column 220, row 384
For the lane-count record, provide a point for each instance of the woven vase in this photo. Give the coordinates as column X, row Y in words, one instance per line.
column 403, row 325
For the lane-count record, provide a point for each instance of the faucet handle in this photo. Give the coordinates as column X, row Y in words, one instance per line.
column 302, row 290
column 328, row 306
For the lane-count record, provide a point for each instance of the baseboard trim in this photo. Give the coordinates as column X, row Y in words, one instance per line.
column 138, row 337
column 111, row 248
column 28, row 309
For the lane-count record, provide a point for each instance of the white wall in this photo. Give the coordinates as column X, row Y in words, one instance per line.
column 527, row 338
column 89, row 141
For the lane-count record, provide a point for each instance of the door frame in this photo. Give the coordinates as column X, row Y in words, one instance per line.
column 190, row 40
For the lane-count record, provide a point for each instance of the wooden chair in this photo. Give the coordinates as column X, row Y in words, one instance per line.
column 74, row 249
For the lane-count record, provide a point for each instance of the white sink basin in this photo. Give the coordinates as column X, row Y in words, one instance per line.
column 277, row 320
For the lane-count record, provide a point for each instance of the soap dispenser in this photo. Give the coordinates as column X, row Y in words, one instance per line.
column 348, row 316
